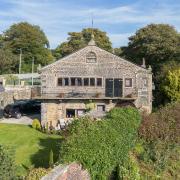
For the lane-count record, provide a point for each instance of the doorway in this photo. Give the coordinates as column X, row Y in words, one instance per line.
column 109, row 88
column 114, row 87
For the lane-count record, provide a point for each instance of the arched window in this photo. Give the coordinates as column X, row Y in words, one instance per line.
column 91, row 57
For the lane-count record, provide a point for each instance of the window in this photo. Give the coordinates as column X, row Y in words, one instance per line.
column 66, row 81
column 128, row 82
column 91, row 57
column 60, row 82
column 145, row 82
column 101, row 108
column 73, row 81
column 86, row 81
column 99, row 81
column 79, row 81
column 92, row 82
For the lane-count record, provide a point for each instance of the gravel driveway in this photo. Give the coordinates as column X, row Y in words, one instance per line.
column 26, row 120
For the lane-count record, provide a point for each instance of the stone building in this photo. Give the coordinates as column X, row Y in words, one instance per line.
column 92, row 76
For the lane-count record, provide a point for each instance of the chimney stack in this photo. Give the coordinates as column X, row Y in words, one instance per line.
column 143, row 63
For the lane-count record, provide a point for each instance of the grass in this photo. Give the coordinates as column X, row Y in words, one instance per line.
column 31, row 146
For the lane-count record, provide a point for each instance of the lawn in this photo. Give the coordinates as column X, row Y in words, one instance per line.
column 31, row 146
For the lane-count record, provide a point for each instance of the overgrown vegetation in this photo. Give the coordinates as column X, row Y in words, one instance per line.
column 158, row 148
column 101, row 145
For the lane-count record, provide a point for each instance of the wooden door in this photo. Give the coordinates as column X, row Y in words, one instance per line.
column 118, row 86
column 109, row 88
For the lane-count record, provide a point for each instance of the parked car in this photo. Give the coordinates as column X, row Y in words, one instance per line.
column 22, row 108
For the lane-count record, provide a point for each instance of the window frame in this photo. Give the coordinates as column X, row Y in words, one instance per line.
column 94, row 84
column 84, row 82
column 60, row 84
column 131, row 82
column 77, row 81
column 74, row 81
column 99, row 85
column 66, row 78
column 91, row 57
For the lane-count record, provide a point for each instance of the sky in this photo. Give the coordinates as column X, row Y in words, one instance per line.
column 119, row 18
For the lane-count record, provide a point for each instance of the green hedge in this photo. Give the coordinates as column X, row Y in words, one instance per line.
column 101, row 145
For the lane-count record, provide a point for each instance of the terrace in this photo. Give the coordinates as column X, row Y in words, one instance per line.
column 36, row 93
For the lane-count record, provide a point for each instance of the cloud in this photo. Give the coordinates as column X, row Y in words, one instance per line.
column 119, row 39
column 57, row 18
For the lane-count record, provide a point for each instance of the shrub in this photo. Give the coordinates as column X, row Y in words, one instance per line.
column 37, row 173
column 128, row 170
column 36, row 124
column 159, row 133
column 7, row 165
column 51, row 158
column 100, row 145
column 162, row 125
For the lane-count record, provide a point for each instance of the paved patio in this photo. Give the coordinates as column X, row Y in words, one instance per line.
column 26, row 120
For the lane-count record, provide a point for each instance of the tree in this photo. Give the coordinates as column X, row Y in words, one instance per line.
column 6, row 61
column 171, row 85
column 33, row 42
column 159, row 94
column 78, row 40
column 118, row 51
column 156, row 43
column 7, row 166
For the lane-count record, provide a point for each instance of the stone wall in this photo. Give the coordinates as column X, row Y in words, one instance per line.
column 5, row 99
column 73, row 171
column 54, row 110
column 10, row 96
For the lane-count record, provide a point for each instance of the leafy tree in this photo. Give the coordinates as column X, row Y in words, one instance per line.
column 171, row 85
column 7, row 166
column 118, row 51
column 78, row 40
column 159, row 94
column 33, row 42
column 157, row 43
column 6, row 61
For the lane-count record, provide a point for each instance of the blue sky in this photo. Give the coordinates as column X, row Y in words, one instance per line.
column 119, row 18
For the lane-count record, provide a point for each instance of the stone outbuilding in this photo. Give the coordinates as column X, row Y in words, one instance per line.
column 92, row 79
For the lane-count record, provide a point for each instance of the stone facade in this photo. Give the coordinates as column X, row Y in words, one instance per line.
column 11, row 95
column 101, row 65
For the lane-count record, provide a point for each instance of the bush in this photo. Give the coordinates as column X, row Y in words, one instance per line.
column 7, row 165
column 162, row 125
column 99, row 146
column 36, row 124
column 37, row 173
column 51, row 158
column 128, row 170
column 159, row 133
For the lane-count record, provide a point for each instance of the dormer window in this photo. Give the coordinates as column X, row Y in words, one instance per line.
column 91, row 57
